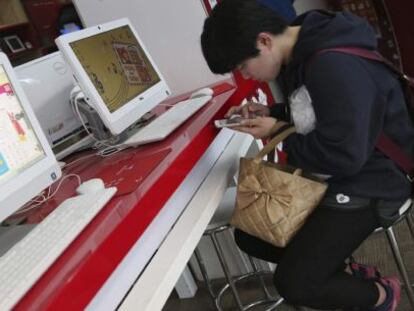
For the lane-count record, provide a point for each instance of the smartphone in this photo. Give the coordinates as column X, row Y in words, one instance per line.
column 234, row 120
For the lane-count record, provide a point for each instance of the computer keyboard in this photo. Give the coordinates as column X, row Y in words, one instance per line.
column 26, row 261
column 166, row 123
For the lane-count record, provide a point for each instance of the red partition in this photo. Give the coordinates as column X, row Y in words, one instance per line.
column 401, row 14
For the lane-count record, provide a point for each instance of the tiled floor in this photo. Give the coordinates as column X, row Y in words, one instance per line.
column 374, row 251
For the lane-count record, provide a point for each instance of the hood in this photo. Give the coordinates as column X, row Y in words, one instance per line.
column 323, row 29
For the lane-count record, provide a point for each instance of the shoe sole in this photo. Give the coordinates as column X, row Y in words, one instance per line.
column 395, row 284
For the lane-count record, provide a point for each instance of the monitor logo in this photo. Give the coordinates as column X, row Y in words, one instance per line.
column 60, row 68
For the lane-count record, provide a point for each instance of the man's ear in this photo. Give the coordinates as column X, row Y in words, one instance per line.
column 264, row 40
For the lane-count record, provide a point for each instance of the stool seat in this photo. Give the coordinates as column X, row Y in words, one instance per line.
column 405, row 207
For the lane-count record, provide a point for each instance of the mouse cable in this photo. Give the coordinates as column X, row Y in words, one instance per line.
column 42, row 198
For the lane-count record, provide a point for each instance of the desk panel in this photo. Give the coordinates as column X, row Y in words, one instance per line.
column 158, row 279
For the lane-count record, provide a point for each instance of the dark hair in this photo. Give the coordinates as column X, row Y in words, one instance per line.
column 230, row 32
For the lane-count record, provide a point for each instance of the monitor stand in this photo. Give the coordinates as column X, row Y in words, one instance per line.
column 99, row 130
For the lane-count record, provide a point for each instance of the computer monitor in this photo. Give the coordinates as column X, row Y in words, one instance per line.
column 27, row 164
column 115, row 72
column 60, row 124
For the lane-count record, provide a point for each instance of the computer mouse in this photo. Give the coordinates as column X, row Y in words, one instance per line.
column 202, row 92
column 91, row 185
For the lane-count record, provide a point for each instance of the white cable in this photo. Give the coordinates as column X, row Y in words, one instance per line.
column 75, row 96
column 60, row 182
column 98, row 143
column 73, row 93
column 104, row 149
column 79, row 159
column 76, row 105
column 32, row 204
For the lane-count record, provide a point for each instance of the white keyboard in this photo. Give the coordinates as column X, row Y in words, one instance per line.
column 26, row 261
column 166, row 123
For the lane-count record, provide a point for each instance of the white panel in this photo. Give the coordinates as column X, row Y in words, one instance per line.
column 170, row 31
column 186, row 286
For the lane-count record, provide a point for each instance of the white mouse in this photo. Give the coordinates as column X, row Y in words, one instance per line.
column 91, row 185
column 202, row 92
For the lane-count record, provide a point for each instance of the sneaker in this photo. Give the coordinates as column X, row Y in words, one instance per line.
column 364, row 271
column 392, row 287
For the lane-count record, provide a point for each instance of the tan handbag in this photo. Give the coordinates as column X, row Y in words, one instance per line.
column 273, row 200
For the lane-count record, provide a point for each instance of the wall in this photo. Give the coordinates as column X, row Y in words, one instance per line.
column 169, row 29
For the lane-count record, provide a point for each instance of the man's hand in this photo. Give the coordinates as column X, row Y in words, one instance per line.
column 260, row 127
column 249, row 111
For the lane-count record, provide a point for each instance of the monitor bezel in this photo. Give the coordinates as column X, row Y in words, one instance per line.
column 129, row 113
column 14, row 193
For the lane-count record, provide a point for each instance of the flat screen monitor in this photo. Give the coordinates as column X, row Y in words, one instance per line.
column 59, row 122
column 27, row 164
column 115, row 72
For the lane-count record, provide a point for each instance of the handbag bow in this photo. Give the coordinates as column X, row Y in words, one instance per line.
column 277, row 201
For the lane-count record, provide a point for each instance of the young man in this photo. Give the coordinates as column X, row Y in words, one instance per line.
column 340, row 103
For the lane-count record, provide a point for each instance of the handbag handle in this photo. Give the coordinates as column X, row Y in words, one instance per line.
column 275, row 140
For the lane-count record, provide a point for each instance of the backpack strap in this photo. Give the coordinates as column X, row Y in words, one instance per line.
column 372, row 55
column 384, row 143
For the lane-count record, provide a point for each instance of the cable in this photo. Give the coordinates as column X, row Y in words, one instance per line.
column 104, row 149
column 36, row 202
column 77, row 160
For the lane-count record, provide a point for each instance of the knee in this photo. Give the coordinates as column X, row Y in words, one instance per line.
column 243, row 241
column 296, row 288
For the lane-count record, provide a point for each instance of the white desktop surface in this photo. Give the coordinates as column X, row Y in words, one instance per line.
column 175, row 232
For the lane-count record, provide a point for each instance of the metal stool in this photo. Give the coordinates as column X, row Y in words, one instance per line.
column 405, row 214
column 219, row 225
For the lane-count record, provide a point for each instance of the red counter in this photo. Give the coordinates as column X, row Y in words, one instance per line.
column 146, row 177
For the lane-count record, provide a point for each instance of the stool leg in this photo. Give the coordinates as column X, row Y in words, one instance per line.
column 226, row 271
column 401, row 266
column 275, row 305
column 410, row 224
column 259, row 276
column 203, row 270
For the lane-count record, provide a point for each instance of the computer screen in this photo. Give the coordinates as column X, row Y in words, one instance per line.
column 59, row 122
column 115, row 71
column 27, row 164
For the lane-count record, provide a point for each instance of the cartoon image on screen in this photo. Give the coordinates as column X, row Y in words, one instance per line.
column 20, row 147
column 120, row 71
column 132, row 63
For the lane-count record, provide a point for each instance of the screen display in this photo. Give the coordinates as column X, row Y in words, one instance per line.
column 19, row 146
column 117, row 66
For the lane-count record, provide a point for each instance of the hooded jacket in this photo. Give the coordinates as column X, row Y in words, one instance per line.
column 354, row 100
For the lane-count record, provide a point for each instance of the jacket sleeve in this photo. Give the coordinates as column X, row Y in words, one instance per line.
column 280, row 111
column 349, row 116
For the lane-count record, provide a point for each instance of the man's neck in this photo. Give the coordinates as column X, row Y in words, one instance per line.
column 290, row 37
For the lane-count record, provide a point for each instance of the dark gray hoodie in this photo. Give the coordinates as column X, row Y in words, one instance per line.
column 354, row 100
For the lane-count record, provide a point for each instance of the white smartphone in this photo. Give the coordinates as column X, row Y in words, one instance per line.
column 234, row 120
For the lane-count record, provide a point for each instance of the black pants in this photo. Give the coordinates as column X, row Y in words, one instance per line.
column 310, row 270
